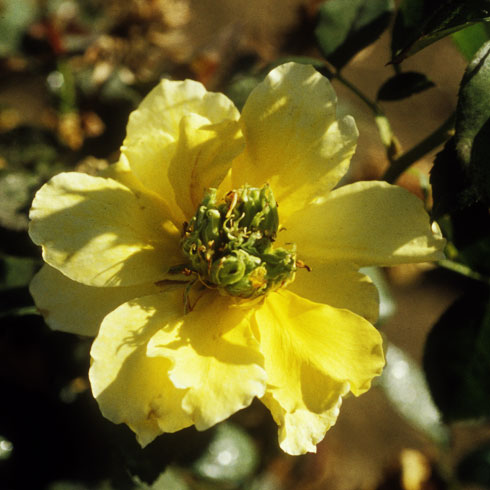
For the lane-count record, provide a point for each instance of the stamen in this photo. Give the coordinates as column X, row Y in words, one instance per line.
column 229, row 244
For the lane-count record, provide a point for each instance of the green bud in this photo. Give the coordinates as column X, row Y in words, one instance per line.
column 229, row 243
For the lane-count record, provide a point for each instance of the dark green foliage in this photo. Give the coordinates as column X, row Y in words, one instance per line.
column 472, row 136
column 475, row 466
column 345, row 28
column 451, row 187
column 468, row 230
column 461, row 174
column 60, row 431
column 420, row 23
column 457, row 358
column 16, row 271
column 470, row 39
column 240, row 88
column 403, row 85
column 13, row 22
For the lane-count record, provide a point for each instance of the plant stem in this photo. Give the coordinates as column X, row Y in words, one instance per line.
column 371, row 104
column 388, row 139
column 21, row 311
column 438, row 137
column 464, row 270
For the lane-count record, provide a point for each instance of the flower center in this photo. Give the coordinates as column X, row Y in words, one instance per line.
column 229, row 243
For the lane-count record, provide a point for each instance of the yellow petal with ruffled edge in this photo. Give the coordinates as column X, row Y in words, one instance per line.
column 294, row 141
column 301, row 429
column 72, row 307
column 101, row 233
column 367, row 223
column 129, row 386
column 202, row 159
column 340, row 285
column 154, row 128
column 215, row 357
column 314, row 354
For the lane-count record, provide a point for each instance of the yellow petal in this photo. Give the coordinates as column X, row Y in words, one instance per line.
column 216, row 357
column 202, row 159
column 154, row 128
column 293, row 139
column 121, row 171
column 101, row 233
column 72, row 307
column 340, row 285
column 301, row 430
column 313, row 354
column 149, row 158
column 368, row 223
column 129, row 386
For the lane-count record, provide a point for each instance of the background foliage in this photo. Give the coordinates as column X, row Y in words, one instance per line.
column 72, row 71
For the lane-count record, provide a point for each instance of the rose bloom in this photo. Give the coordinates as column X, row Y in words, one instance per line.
column 215, row 262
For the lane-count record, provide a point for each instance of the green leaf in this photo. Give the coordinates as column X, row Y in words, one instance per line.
column 420, row 23
column 405, row 387
column 457, row 358
column 171, row 478
column 467, row 230
column 15, row 17
column 345, row 28
column 15, row 275
column 472, row 136
column 470, row 40
column 403, row 85
column 475, row 466
column 461, row 174
column 240, row 88
column 476, row 255
column 451, row 188
column 16, row 271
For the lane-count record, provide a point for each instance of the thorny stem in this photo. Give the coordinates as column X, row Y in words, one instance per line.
column 438, row 137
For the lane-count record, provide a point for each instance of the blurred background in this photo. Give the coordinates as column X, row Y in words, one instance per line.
column 71, row 71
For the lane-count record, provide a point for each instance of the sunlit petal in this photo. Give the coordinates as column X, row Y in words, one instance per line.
column 129, row 386
column 313, row 355
column 101, row 233
column 202, row 159
column 338, row 284
column 73, row 307
column 153, row 130
column 301, row 430
column 215, row 356
column 294, row 140
column 367, row 223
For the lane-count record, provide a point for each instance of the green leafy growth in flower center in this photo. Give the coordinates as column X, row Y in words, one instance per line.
column 229, row 244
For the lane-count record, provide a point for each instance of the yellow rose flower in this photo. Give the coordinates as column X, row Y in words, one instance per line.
column 201, row 291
